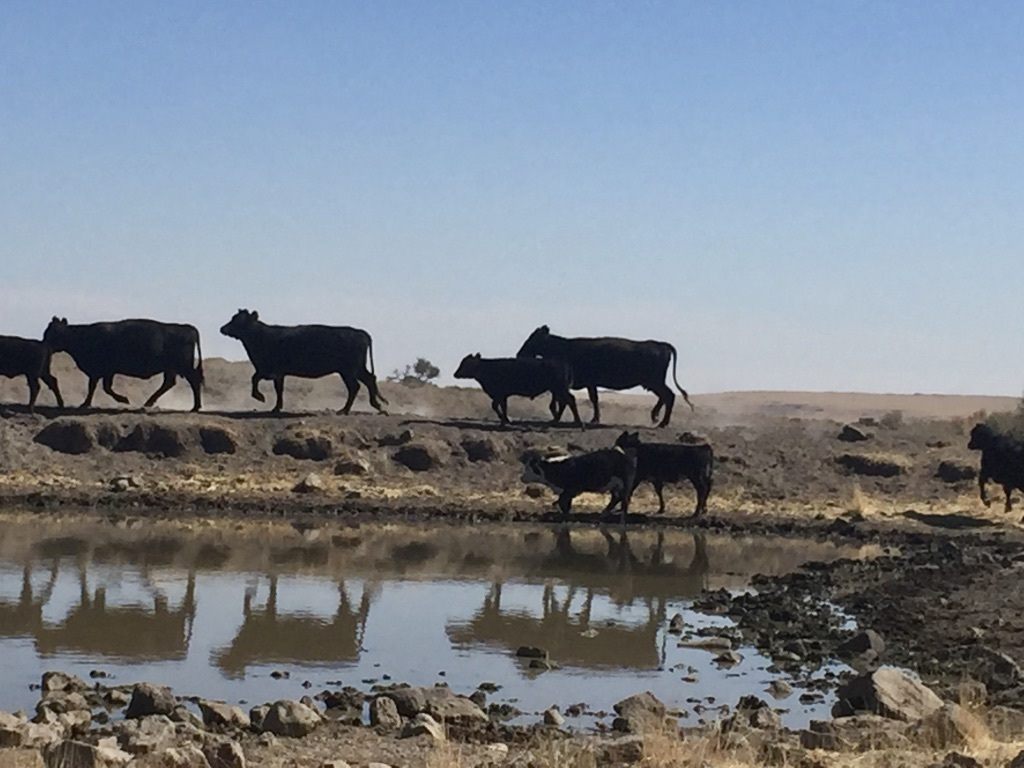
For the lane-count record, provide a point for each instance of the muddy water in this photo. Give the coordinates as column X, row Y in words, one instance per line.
column 215, row 610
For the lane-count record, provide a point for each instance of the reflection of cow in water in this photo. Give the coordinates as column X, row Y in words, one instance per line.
column 269, row 637
column 122, row 632
column 619, row 574
column 94, row 629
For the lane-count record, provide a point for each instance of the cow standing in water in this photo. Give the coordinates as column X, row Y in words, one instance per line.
column 611, row 363
column 307, row 351
column 31, row 359
column 136, row 348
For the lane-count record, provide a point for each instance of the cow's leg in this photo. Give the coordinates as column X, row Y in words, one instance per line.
column 33, row 392
column 90, row 390
column 565, row 503
column 570, row 400
column 194, row 377
column 352, row 385
column 556, row 409
column 1008, row 490
column 51, row 381
column 377, row 400
column 279, row 393
column 668, row 397
column 592, row 393
column 170, row 379
column 982, row 479
column 656, row 410
column 614, row 500
column 659, row 488
column 703, row 488
column 256, row 394
column 108, row 387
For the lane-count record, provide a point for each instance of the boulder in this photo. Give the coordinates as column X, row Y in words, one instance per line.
column 997, row 670
column 395, row 439
column 889, row 693
column 1017, row 762
column 350, row 463
column 76, row 754
column 150, row 699
column 304, row 446
column 957, row 760
column 423, row 725
column 59, row 681
column 531, row 652
column 311, row 483
column 290, row 718
column 949, row 726
column 146, row 734
column 676, row 625
column 418, row 457
column 67, row 436
column 851, row 434
column 1005, row 723
column 153, row 439
column 623, row 751
column 851, row 734
column 224, row 754
column 217, row 714
column 553, row 717
column 256, row 716
column 640, row 713
column 754, row 713
column 866, row 642
column 439, row 702
column 950, row 471
column 217, row 440
column 873, row 464
column 384, row 713
column 186, row 756
column 480, row 449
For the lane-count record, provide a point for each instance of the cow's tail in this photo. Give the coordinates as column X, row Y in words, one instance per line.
column 682, row 391
column 369, row 353
column 199, row 360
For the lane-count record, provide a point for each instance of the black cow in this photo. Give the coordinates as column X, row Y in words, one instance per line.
column 501, row 377
column 610, row 470
column 612, row 363
column 308, row 351
column 31, row 359
column 136, row 348
column 1002, row 461
column 664, row 463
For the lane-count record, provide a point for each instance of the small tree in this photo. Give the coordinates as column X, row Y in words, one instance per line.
column 419, row 373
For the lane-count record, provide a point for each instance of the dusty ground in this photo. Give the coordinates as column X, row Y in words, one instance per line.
column 945, row 597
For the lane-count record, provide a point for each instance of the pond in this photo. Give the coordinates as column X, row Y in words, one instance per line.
column 255, row 612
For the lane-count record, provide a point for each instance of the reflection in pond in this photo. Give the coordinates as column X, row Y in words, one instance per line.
column 215, row 610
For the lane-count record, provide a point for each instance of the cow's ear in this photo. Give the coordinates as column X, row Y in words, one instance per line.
column 63, row 321
column 545, row 329
column 54, row 319
column 476, row 356
column 255, row 315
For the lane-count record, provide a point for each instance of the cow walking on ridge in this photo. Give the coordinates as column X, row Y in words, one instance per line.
column 1002, row 461
column 612, row 363
column 501, row 377
column 307, row 351
column 136, row 348
column 31, row 359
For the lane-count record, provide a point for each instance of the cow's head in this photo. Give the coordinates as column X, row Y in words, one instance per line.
column 56, row 334
column 469, row 367
column 536, row 344
column 240, row 325
column 982, row 437
column 628, row 440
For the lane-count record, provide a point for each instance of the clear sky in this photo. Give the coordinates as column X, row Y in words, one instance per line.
column 798, row 195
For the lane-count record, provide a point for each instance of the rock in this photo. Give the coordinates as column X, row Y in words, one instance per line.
column 480, row 449
column 396, row 438
column 676, row 625
column 311, row 483
column 950, row 471
column 873, row 464
column 864, row 642
column 183, row 714
column 535, row 491
column 950, row 726
column 780, row 689
column 58, row 681
column 225, row 754
column 623, row 751
column 755, row 713
column 496, row 752
column 290, row 718
column 438, row 702
column 334, row 764
column 728, row 659
column 256, row 716
column 708, row 643
column 1018, row 761
column 304, row 446
column 997, row 670
column 640, row 713
column 423, row 724
column 217, row 714
column 123, row 483
column 1005, row 723
column 418, row 457
column 153, row 439
column 530, row 652
column 858, row 733
column 186, row 756
column 350, row 463
column 553, row 717
column 890, row 693
column 146, row 734
column 67, row 436
column 62, row 701
column 76, row 754
column 384, row 713
column 852, row 434
column 217, row 440
column 150, row 699
column 956, row 760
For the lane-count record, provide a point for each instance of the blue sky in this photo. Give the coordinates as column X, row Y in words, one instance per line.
column 798, row 195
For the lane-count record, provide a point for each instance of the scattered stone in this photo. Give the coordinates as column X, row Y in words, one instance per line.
column 153, row 439
column 186, row 756
column 535, row 491
column 530, row 652
column 183, row 714
column 217, row 714
column 290, row 718
column 754, row 712
column 311, row 483
column 553, row 717
column 780, row 689
column 1018, row 761
column 418, row 457
column 396, row 438
column 624, row 751
column 640, row 713
column 676, row 625
column 218, row 440
column 957, row 760
column 496, row 752
column 76, row 754
column 150, row 699
column 481, row 449
column 423, row 724
column 349, row 463
column 852, row 434
column 123, row 483
column 384, row 713
column 256, row 717
column 708, row 643
column 438, row 702
column 1005, row 724
column 873, row 464
column 950, row 726
column 889, row 693
column 728, row 659
column 225, row 754
column 59, row 681
column 146, row 734
column 303, row 446
column 866, row 642
column 67, row 436
column 858, row 733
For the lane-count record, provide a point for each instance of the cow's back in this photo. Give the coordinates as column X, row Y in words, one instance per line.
column 616, row 363
column 672, row 462
column 19, row 356
column 136, row 347
column 311, row 350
